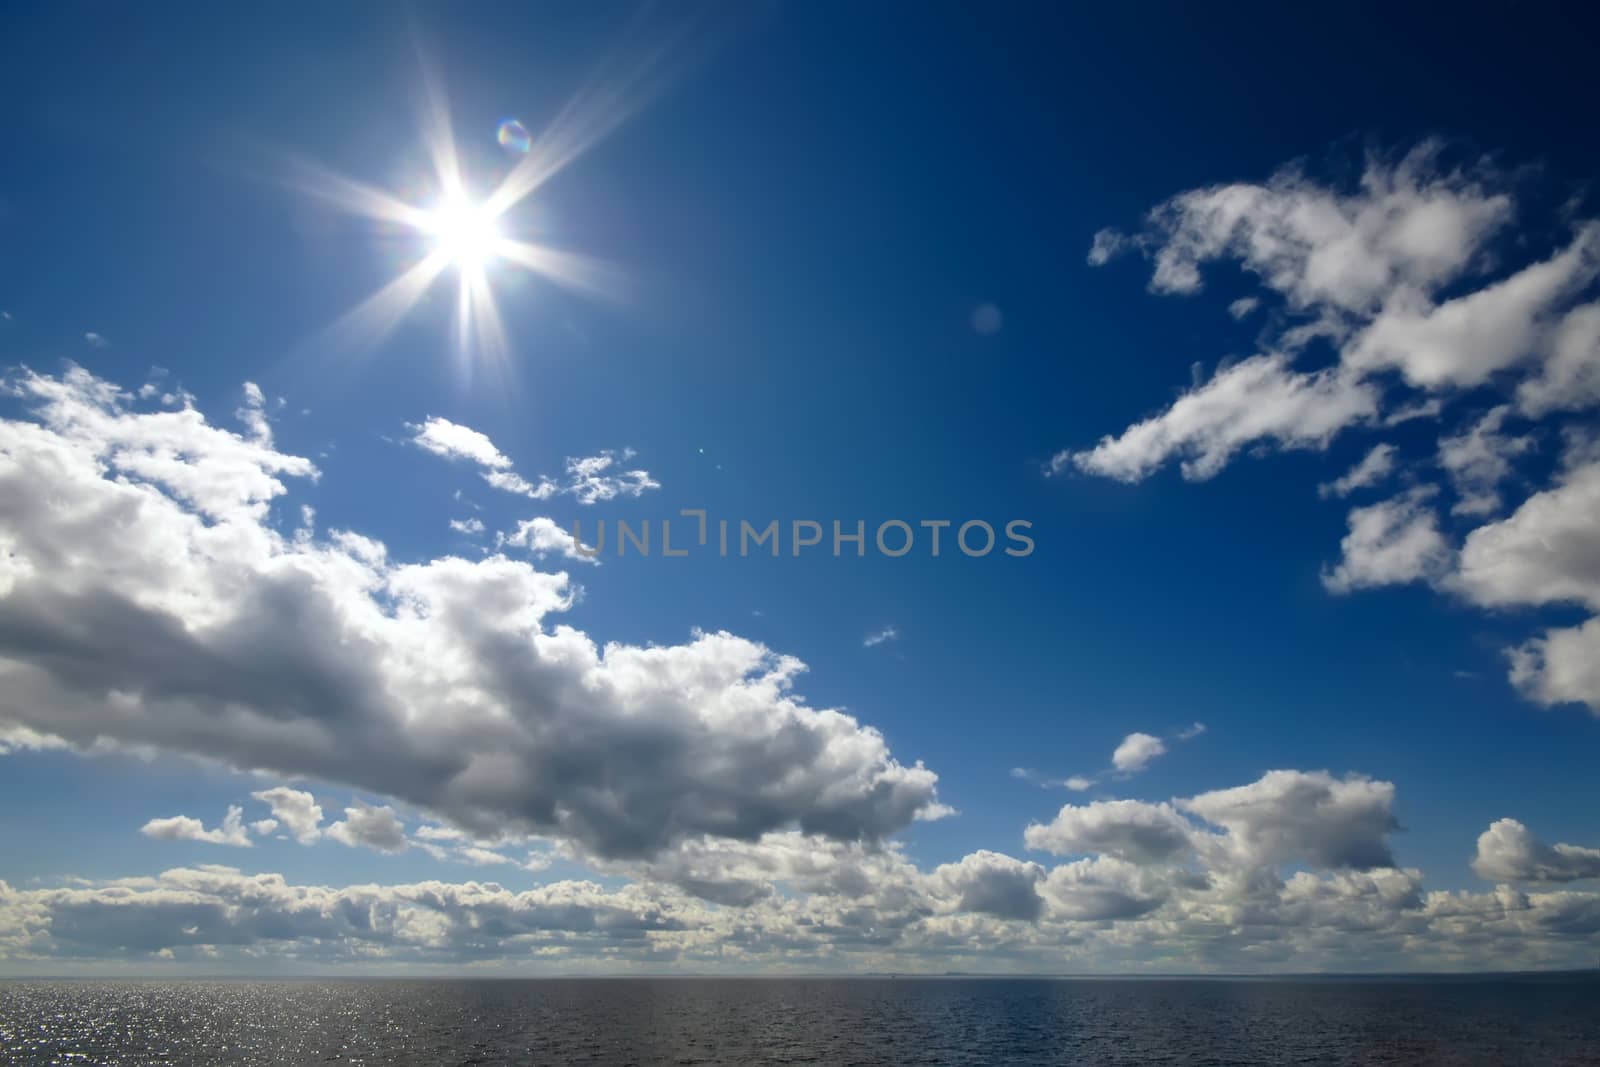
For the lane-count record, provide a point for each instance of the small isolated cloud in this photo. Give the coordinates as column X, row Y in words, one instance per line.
column 1374, row 467
column 1136, row 751
column 253, row 414
column 1390, row 543
column 888, row 633
column 542, row 537
column 1242, row 307
column 184, row 828
column 1508, row 852
column 1077, row 783
column 1478, row 460
column 297, row 811
column 470, row 527
column 987, row 320
column 1258, row 401
column 589, row 479
column 1131, row 756
column 373, row 826
column 94, row 340
column 1107, row 245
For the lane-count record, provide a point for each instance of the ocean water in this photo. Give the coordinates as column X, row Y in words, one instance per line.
column 1532, row 1020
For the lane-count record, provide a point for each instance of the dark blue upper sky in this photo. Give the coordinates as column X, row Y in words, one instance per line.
column 805, row 219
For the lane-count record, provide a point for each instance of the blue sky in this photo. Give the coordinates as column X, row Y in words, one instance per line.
column 849, row 264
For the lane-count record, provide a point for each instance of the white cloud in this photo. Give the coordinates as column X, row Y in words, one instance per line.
column 1390, row 543
column 991, row 883
column 254, row 416
column 184, row 828
column 471, row 527
column 1547, row 551
column 1560, row 666
column 595, row 478
column 1373, row 468
column 1569, row 378
column 1136, row 751
column 1461, row 342
column 1256, row 400
column 1410, row 224
column 298, row 811
column 94, row 340
column 153, row 604
column 589, row 479
column 455, row 441
column 370, row 826
column 1131, row 830
column 1309, row 816
column 1107, row 245
column 1242, row 307
column 1147, row 888
column 543, row 537
column 1478, row 460
column 878, row 637
column 1508, row 852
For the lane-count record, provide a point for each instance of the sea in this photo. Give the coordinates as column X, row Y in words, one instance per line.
column 1550, row 1019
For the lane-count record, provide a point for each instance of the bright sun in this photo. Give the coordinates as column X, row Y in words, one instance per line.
column 464, row 233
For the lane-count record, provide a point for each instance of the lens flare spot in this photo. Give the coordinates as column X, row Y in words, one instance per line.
column 514, row 137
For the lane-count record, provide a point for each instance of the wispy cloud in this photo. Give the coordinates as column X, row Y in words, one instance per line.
column 1133, row 754
column 588, row 479
column 878, row 637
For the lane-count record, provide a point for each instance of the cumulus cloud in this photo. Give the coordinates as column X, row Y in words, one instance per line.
column 297, row 811
column 1508, row 852
column 990, row 883
column 1309, row 816
column 184, row 828
column 153, row 604
column 1390, row 543
column 1403, row 279
column 471, row 527
column 1136, row 751
column 1132, row 755
column 1409, row 224
column 1461, row 342
column 1560, row 666
column 1147, row 886
column 1547, row 551
column 370, row 826
column 543, row 537
column 1130, row 830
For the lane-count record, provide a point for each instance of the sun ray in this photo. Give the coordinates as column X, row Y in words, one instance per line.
column 466, row 235
column 572, row 270
column 370, row 321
